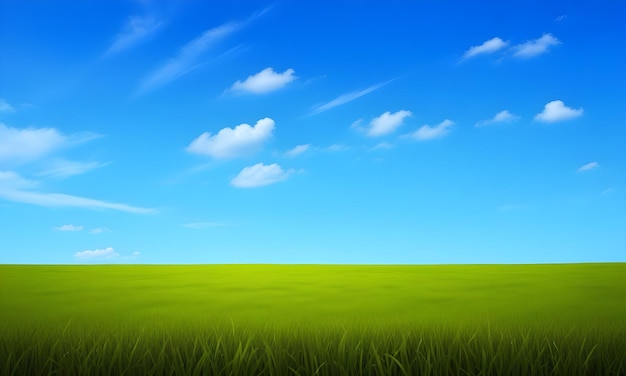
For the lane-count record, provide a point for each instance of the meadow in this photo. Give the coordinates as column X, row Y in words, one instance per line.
column 547, row 319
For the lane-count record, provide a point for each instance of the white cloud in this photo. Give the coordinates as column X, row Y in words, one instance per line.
column 501, row 117
column 61, row 168
column 608, row 190
column 135, row 254
column 265, row 81
column 69, row 228
column 14, row 188
column 561, row 18
column 259, row 175
column 233, row 142
column 201, row 225
column 386, row 123
column 5, row 106
column 32, row 143
column 298, row 150
column 536, row 46
column 345, row 98
column 588, row 166
column 427, row 132
column 557, row 111
column 97, row 254
column 488, row 47
column 135, row 30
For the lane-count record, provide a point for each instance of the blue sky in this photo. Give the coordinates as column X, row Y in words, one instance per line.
column 312, row 132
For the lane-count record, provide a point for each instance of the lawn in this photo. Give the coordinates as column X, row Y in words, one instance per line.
column 313, row 319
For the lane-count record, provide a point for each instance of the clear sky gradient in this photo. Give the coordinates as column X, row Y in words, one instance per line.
column 312, row 132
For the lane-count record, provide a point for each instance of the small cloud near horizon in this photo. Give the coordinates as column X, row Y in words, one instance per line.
column 105, row 253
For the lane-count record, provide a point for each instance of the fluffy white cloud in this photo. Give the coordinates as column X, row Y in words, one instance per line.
column 501, row 117
column 265, row 81
column 69, row 228
column 233, row 142
column 259, row 175
column 135, row 30
column 386, row 123
column 427, row 132
column 345, row 98
column 14, row 188
column 32, row 143
column 536, row 46
column 97, row 254
column 557, row 111
column 5, row 106
column 488, row 47
column 135, row 254
column 299, row 149
column 588, row 166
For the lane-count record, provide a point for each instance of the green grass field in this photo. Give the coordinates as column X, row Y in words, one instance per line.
column 562, row 319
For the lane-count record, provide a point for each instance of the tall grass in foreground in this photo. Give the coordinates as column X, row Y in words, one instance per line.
column 313, row 320
column 226, row 349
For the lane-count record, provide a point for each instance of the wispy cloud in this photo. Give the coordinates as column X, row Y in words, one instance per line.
column 233, row 142
column 191, row 55
column 487, row 47
column 427, row 132
column 259, row 175
column 5, row 106
column 62, row 168
column 501, row 117
column 349, row 97
column 136, row 30
column 338, row 147
column 588, row 166
column 99, row 230
column 69, row 228
column 265, row 81
column 15, row 188
column 536, row 46
column 105, row 253
column 557, row 111
column 382, row 145
column 201, row 225
column 188, row 58
column 299, row 149
column 32, row 143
